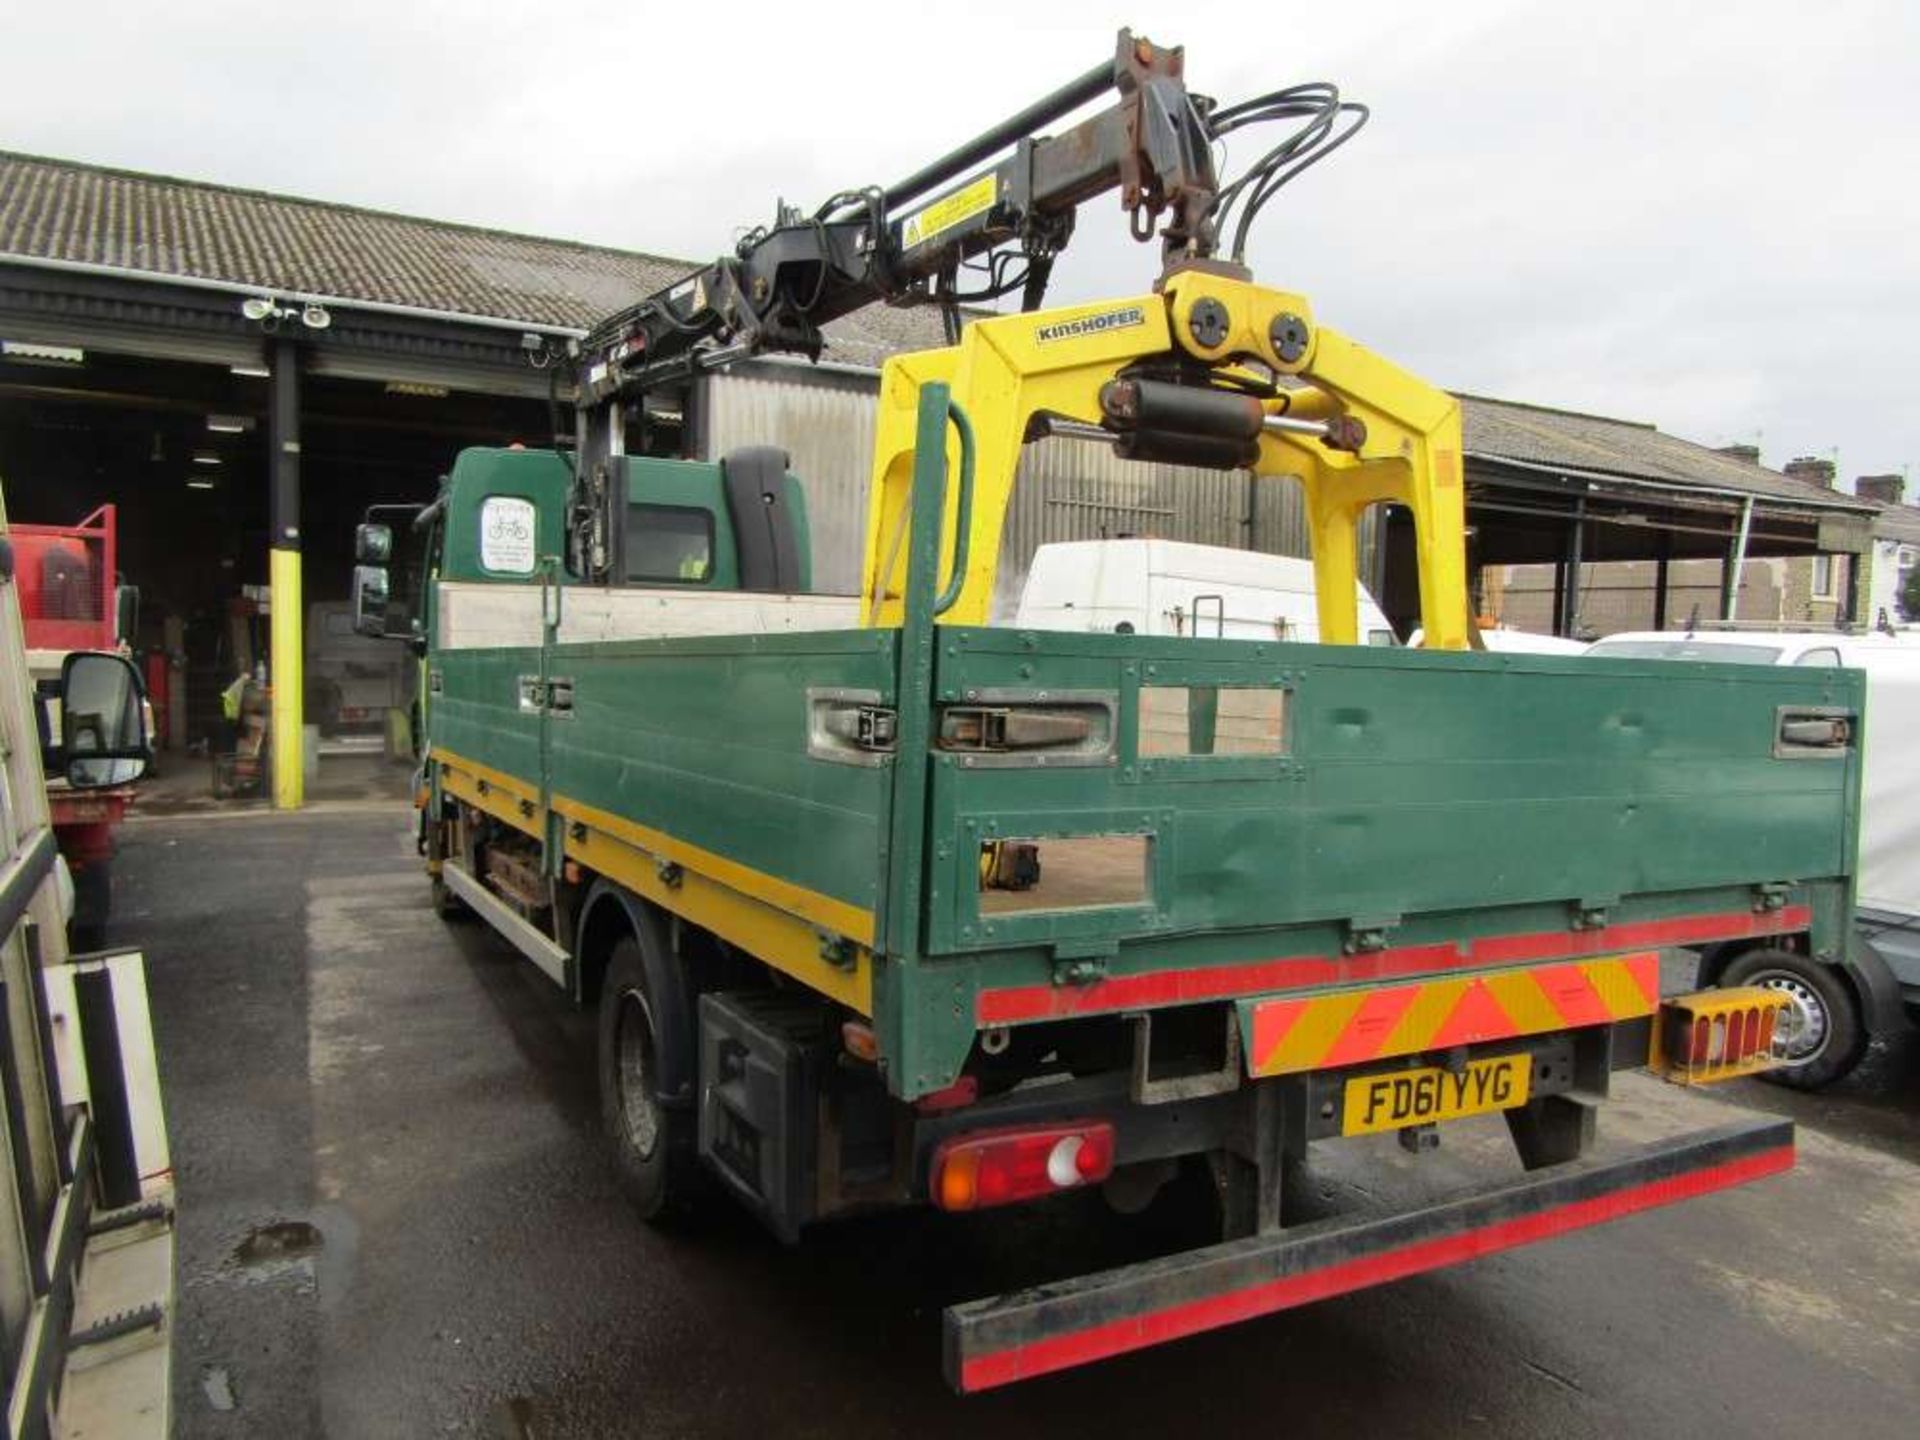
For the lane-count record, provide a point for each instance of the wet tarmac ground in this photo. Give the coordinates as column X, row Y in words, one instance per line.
column 396, row 1220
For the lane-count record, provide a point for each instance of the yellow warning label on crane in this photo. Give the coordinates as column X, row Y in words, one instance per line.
column 948, row 211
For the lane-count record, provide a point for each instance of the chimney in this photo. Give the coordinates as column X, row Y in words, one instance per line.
column 1812, row 469
column 1883, row 489
column 1748, row 453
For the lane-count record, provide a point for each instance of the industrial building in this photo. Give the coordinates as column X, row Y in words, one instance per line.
column 242, row 374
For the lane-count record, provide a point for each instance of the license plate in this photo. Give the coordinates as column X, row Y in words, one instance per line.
column 1417, row 1097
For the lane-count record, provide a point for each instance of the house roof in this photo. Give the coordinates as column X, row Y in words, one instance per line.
column 1537, row 435
column 166, row 227
column 1898, row 522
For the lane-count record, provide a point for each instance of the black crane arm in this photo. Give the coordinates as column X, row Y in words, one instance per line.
column 905, row 243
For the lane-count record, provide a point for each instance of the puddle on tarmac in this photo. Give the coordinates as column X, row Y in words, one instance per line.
column 281, row 1241
column 313, row 1256
column 218, row 1387
column 286, row 1249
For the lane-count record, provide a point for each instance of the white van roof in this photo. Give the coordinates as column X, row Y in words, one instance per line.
column 1252, row 568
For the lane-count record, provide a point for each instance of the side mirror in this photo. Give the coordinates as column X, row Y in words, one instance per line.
column 370, row 598
column 103, row 725
column 373, row 544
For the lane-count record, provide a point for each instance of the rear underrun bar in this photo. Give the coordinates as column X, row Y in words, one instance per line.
column 1055, row 1327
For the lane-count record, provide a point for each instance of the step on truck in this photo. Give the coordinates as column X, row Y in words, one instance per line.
column 880, row 905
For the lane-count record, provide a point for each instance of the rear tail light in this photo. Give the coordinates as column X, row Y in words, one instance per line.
column 1004, row 1167
column 1718, row 1034
column 857, row 1037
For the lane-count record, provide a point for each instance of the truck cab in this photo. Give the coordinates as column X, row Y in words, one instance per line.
column 698, row 548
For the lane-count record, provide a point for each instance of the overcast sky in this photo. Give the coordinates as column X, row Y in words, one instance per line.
column 1703, row 220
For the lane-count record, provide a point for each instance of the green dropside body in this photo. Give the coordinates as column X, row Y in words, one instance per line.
column 1421, row 797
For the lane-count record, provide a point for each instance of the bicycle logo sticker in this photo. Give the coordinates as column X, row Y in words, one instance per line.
column 507, row 535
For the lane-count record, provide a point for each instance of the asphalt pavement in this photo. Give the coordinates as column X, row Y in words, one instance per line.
column 396, row 1220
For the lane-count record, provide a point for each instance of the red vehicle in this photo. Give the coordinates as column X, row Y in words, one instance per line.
column 71, row 600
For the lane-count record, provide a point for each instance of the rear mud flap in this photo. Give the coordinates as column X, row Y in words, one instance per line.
column 1014, row 1337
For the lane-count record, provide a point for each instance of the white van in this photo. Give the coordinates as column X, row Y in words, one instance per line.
column 1166, row 587
column 1755, row 647
column 1835, row 1009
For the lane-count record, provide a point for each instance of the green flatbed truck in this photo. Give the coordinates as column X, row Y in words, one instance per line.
column 880, row 905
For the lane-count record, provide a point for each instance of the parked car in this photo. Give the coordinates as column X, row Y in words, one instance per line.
column 1752, row 647
column 1838, row 1003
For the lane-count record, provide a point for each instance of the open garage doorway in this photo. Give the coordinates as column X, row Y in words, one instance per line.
column 180, row 450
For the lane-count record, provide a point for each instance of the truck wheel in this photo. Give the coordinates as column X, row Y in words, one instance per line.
column 323, row 706
column 446, row 904
column 1825, row 1032
column 92, row 903
column 653, row 1145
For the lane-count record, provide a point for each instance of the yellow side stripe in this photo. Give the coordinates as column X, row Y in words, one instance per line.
column 499, row 798
column 782, row 924
column 838, row 916
column 772, row 936
column 823, row 910
column 495, row 779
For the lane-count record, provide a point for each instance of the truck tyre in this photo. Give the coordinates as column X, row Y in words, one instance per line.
column 446, row 904
column 323, row 706
column 1825, row 1032
column 92, row 903
column 653, row 1143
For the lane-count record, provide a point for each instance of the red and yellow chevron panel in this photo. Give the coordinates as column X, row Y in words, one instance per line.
column 1289, row 1034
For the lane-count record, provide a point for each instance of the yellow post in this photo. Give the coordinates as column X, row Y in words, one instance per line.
column 289, row 751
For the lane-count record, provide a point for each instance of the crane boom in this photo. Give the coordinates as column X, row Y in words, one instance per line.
column 1003, row 202
column 905, row 243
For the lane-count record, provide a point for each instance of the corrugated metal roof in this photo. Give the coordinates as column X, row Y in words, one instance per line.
column 64, row 211
column 61, row 210
column 1538, row 435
